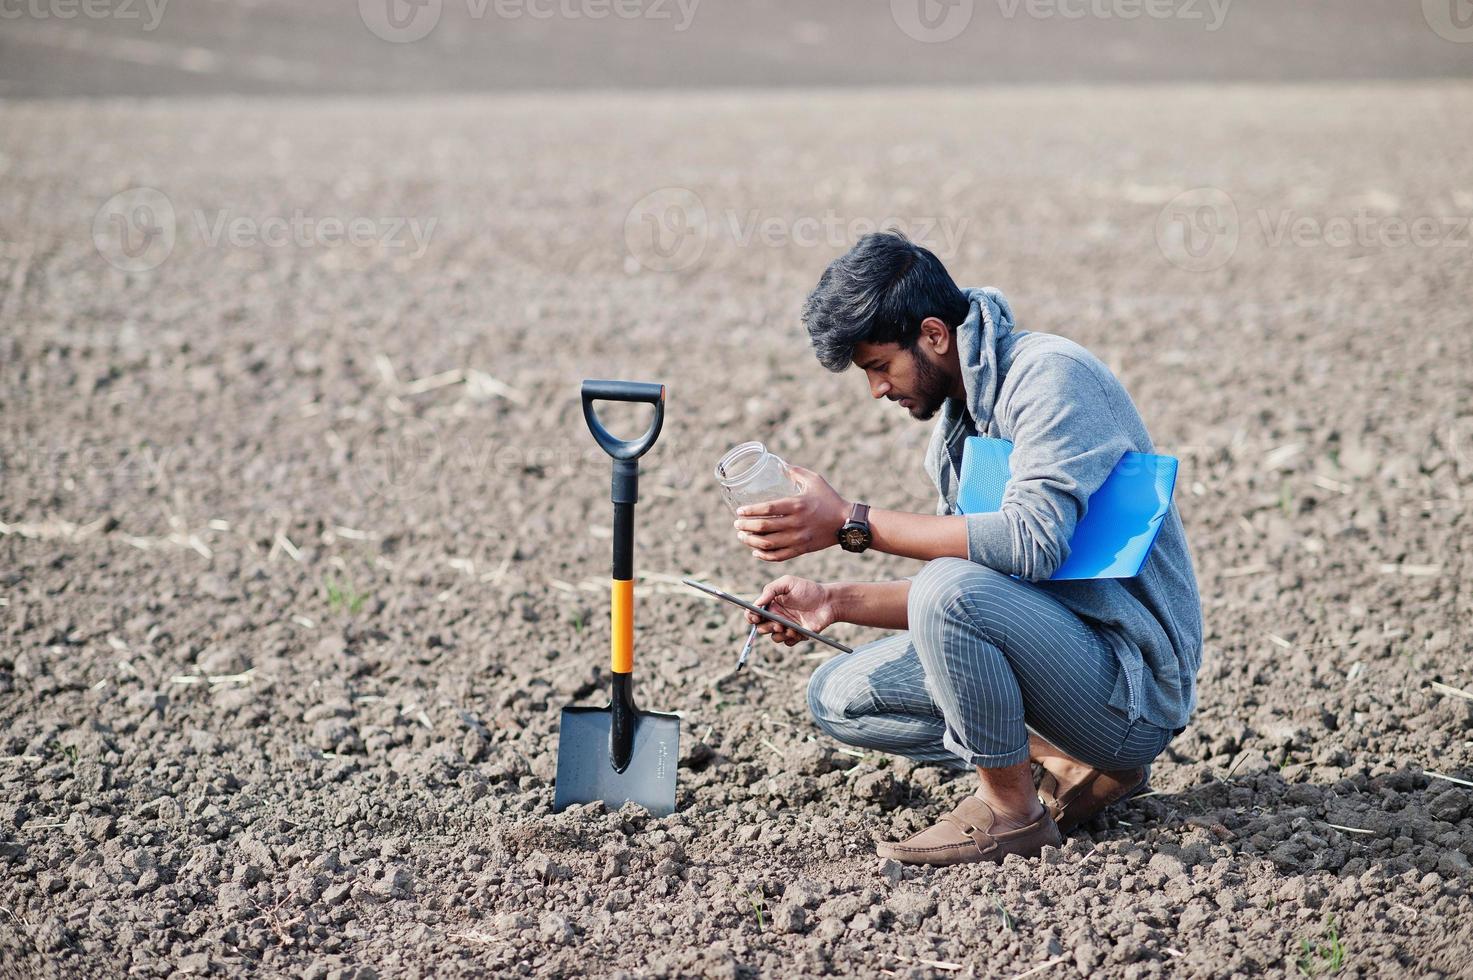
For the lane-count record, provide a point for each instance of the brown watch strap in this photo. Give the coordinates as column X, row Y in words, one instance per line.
column 859, row 514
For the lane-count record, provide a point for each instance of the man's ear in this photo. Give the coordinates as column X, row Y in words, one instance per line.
column 935, row 335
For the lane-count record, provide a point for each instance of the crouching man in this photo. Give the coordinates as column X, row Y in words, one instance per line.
column 996, row 665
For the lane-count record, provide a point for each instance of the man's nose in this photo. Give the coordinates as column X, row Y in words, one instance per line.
column 880, row 390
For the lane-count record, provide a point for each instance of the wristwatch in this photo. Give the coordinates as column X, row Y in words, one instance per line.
column 855, row 535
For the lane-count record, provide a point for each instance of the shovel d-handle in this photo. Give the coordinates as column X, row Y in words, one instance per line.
column 625, row 494
column 623, row 391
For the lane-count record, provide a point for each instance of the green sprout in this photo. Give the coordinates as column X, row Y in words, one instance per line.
column 1009, row 922
column 1326, row 956
column 340, row 596
column 758, row 903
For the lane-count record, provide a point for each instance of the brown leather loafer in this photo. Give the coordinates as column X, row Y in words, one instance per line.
column 966, row 834
column 1071, row 806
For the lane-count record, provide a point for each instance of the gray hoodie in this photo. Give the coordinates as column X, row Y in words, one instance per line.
column 1070, row 420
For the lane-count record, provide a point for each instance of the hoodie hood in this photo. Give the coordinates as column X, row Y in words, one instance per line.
column 980, row 341
column 988, row 323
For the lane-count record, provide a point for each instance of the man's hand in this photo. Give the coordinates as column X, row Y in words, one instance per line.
column 793, row 526
column 808, row 603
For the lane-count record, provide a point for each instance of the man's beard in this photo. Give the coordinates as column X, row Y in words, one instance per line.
column 932, row 388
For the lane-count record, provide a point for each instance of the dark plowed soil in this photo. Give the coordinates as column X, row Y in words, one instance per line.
column 304, row 545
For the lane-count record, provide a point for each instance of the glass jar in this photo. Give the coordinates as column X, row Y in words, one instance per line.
column 749, row 474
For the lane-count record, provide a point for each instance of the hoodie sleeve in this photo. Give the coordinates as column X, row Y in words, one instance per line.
column 1066, row 440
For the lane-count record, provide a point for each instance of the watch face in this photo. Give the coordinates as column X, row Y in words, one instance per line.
column 853, row 538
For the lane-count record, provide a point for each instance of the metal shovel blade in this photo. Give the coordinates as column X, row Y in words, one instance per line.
column 586, row 773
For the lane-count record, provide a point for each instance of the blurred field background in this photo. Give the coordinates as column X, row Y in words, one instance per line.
column 51, row 48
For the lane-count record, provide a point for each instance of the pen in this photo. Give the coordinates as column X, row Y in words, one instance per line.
column 747, row 647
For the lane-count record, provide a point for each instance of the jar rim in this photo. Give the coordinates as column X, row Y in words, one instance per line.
column 729, row 477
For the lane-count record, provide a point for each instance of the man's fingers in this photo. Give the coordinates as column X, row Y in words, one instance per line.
column 770, row 542
column 772, row 628
column 780, row 555
column 761, row 525
column 780, row 633
column 763, row 542
column 770, row 508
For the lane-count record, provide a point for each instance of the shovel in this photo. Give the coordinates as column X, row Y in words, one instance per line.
column 618, row 753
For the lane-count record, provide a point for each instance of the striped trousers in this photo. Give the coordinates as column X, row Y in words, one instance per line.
column 986, row 658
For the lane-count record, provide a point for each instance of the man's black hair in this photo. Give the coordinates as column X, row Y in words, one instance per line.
column 879, row 292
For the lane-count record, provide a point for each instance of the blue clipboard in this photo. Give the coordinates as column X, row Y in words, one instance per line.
column 1121, row 521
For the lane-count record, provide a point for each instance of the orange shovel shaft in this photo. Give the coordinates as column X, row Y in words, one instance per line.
column 621, row 642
